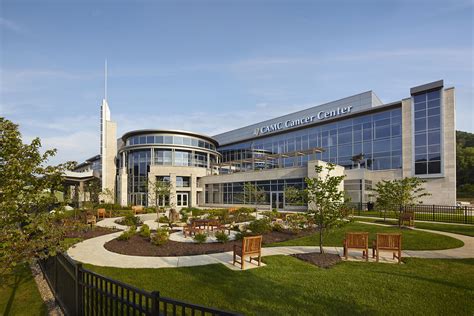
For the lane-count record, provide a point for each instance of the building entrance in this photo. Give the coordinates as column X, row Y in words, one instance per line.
column 277, row 200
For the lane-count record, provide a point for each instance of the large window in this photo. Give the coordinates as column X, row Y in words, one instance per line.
column 376, row 136
column 427, row 126
column 169, row 140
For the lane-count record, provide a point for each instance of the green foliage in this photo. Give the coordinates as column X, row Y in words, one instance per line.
column 110, row 206
column 160, row 237
column 325, row 200
column 277, row 227
column 126, row 235
column 129, row 220
column 271, row 215
column 184, row 215
column 27, row 194
column 200, row 238
column 145, row 231
column 157, row 189
column 163, row 220
column 294, row 196
column 465, row 164
column 253, row 194
column 222, row 237
column 260, row 226
column 394, row 195
column 297, row 222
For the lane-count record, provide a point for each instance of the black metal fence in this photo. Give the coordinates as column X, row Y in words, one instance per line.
column 423, row 212
column 79, row 291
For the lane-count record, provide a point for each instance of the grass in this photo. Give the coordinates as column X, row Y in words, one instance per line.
column 451, row 216
column 411, row 239
column 19, row 294
column 288, row 286
column 467, row 230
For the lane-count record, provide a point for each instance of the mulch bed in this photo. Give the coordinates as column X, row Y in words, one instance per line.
column 325, row 260
column 139, row 246
column 90, row 233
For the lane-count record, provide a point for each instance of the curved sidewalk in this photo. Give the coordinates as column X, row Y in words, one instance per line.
column 92, row 251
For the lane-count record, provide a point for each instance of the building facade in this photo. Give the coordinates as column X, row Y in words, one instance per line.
column 368, row 140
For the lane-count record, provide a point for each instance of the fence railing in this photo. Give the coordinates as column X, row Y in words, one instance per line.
column 79, row 291
column 423, row 212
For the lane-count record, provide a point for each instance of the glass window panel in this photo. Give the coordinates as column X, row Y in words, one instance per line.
column 419, row 98
column 434, row 167
column 434, row 148
column 150, row 139
column 420, row 158
column 333, row 152
column 419, row 114
column 420, row 124
column 382, row 122
column 420, row 106
column 357, row 148
column 367, row 134
column 434, row 95
column 168, row 139
column 435, row 156
column 396, row 130
column 434, row 104
column 381, row 116
column 382, row 132
column 434, row 138
column 434, row 122
column 420, row 139
column 396, row 143
column 433, row 111
column 420, row 150
column 142, row 140
column 381, row 145
column 344, row 138
column 159, row 139
column 195, row 142
column 421, row 168
column 344, row 150
column 396, row 162
column 177, row 140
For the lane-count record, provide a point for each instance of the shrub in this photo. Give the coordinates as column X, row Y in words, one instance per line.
column 200, row 238
column 271, row 215
column 241, row 235
column 126, row 235
column 277, row 227
column 160, row 237
column 130, row 220
column 184, row 215
column 163, row 220
column 150, row 210
column 222, row 237
column 145, row 231
column 246, row 210
column 296, row 222
column 260, row 226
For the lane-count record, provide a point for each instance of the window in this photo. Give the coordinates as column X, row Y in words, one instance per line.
column 427, row 120
column 182, row 182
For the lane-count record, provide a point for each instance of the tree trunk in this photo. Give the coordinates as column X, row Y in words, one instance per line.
column 321, row 249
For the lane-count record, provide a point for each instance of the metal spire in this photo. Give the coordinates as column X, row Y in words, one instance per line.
column 105, row 83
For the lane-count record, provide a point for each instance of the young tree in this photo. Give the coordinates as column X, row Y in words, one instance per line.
column 27, row 194
column 159, row 189
column 294, row 196
column 254, row 194
column 395, row 195
column 325, row 200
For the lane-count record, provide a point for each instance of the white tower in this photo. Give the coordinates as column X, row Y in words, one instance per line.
column 108, row 142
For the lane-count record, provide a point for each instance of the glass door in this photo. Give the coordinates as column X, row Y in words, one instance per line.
column 182, row 199
column 277, row 200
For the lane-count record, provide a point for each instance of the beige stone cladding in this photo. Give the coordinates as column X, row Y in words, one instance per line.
column 443, row 189
column 407, row 137
column 194, row 174
column 110, row 151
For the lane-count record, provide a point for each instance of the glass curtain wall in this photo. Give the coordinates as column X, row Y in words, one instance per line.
column 377, row 136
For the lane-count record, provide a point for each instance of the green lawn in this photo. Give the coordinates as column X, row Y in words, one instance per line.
column 411, row 240
column 449, row 217
column 467, row 230
column 288, row 286
column 19, row 294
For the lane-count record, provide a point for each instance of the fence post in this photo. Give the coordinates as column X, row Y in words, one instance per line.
column 465, row 214
column 78, row 288
column 433, row 212
column 155, row 303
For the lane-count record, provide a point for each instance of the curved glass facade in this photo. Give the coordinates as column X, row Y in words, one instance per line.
column 161, row 150
column 377, row 136
column 166, row 139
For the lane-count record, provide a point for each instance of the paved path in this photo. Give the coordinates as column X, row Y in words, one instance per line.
column 92, row 251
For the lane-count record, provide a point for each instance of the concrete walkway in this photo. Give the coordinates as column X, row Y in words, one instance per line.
column 92, row 251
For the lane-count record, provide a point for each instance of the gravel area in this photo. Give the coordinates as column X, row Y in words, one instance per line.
column 45, row 291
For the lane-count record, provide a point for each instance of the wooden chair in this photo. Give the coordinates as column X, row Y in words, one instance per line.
column 102, row 212
column 388, row 242
column 407, row 217
column 191, row 229
column 251, row 246
column 357, row 241
column 90, row 220
column 138, row 209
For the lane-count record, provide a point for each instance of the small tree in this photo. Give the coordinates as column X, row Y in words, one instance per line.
column 157, row 189
column 294, row 196
column 395, row 195
column 254, row 194
column 28, row 230
column 325, row 201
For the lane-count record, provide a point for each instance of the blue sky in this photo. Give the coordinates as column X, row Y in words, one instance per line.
column 211, row 66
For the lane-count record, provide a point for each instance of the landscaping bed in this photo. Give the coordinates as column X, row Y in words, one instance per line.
column 140, row 246
column 322, row 260
column 90, row 233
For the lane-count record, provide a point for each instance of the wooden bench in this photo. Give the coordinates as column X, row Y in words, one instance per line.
column 233, row 209
column 388, row 242
column 407, row 217
column 103, row 212
column 138, row 209
column 358, row 241
column 251, row 247
column 191, row 229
